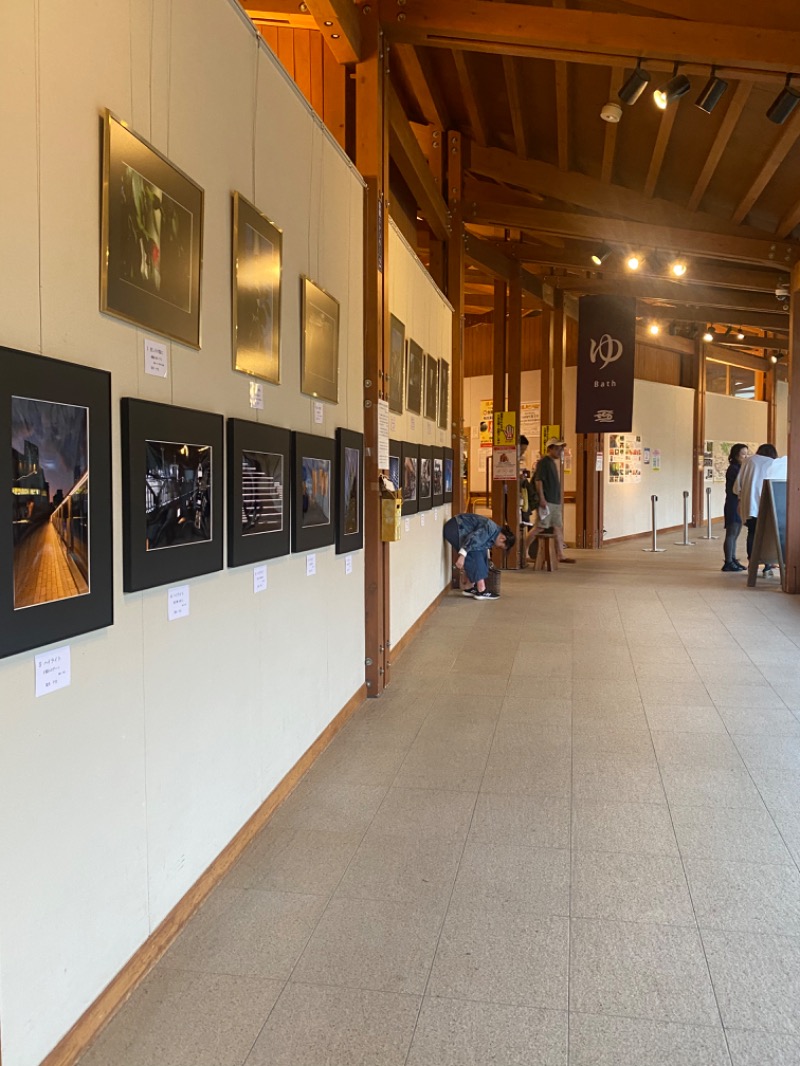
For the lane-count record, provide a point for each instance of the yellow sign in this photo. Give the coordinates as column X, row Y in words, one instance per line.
column 505, row 429
column 547, row 433
column 486, row 424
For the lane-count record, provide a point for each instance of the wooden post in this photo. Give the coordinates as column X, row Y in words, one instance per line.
column 793, row 474
column 544, row 363
column 699, row 432
column 455, row 294
column 372, row 160
column 438, row 250
column 514, row 367
column 499, row 381
column 771, row 398
column 558, row 326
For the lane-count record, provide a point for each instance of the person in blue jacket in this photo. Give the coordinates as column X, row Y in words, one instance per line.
column 472, row 535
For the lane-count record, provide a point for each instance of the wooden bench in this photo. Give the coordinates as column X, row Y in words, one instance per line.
column 546, row 555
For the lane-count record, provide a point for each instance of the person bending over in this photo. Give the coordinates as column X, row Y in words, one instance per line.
column 472, row 535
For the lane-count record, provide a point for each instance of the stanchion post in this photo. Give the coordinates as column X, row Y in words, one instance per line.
column 655, row 548
column 708, row 535
column 685, row 543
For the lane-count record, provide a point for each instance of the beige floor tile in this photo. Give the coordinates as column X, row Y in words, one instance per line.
column 403, row 869
column 425, row 812
column 631, row 828
column 537, row 876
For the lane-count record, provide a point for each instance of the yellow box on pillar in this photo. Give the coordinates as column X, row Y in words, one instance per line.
column 391, row 511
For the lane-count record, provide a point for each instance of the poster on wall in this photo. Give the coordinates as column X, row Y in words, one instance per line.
column 708, row 462
column 530, row 421
column 656, row 463
column 485, row 423
column 606, row 350
column 624, row 458
column 720, row 450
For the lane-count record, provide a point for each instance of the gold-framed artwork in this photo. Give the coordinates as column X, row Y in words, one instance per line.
column 415, row 372
column 319, row 342
column 152, row 237
column 431, row 387
column 397, row 334
column 444, row 393
column 256, row 290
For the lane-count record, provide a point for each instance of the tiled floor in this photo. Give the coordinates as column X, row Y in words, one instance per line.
column 569, row 833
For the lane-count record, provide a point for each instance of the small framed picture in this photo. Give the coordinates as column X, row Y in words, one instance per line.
column 431, row 387
column 395, row 463
column 259, row 491
column 444, row 394
column 414, row 373
column 397, row 355
column 437, row 476
column 409, row 456
column 171, row 493
column 257, row 244
column 319, row 342
column 425, row 477
column 152, row 237
column 350, row 491
column 55, row 527
column 448, row 475
column 313, row 503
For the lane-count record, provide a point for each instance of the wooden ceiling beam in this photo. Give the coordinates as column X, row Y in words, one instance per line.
column 422, row 85
column 515, row 106
column 591, row 36
column 474, row 111
column 776, row 15
column 783, row 145
column 789, row 221
column 610, row 140
column 728, row 125
column 337, row 21
column 410, row 159
column 287, row 14
column 490, row 258
column 753, row 342
column 716, row 315
column 660, row 150
column 660, row 289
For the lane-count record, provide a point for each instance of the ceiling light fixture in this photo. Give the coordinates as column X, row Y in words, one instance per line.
column 599, row 257
column 708, row 336
column 654, row 329
column 713, row 91
column 678, row 268
column 784, row 103
column 677, row 86
column 635, row 84
column 740, row 334
column 633, row 262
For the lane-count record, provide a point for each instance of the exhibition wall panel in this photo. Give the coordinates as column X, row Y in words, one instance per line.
column 476, row 391
column 735, row 420
column 117, row 792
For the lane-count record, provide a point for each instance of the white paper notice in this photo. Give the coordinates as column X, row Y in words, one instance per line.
column 256, row 395
column 429, row 429
column 311, row 565
column 260, row 578
column 408, row 525
column 348, row 564
column 598, row 465
column 436, row 514
column 155, row 358
column 422, row 519
column 53, row 671
column 319, row 411
column 392, row 423
column 413, row 422
column 383, row 435
column 178, row 602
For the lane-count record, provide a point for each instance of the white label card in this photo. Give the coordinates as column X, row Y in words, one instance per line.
column 311, row 565
column 392, row 423
column 178, row 602
column 155, row 358
column 383, row 435
column 256, row 396
column 422, row 519
column 348, row 564
column 260, row 578
column 429, row 429
column 319, row 411
column 408, row 525
column 53, row 670
column 436, row 514
column 413, row 422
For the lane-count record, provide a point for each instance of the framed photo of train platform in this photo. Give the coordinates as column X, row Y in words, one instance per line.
column 56, row 525
column 448, row 474
column 313, row 492
column 257, row 257
column 409, row 473
column 151, row 249
column 349, row 491
column 172, row 473
column 259, row 491
column 319, row 342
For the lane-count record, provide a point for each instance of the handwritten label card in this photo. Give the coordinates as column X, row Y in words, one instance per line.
column 436, row 514
column 256, row 396
column 260, row 578
column 178, row 602
column 155, row 358
column 422, row 519
column 311, row 565
column 408, row 525
column 348, row 564
column 319, row 411
column 53, row 671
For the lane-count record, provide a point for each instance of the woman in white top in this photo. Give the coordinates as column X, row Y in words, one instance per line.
column 748, row 488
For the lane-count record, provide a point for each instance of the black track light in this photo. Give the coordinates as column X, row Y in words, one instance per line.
column 635, row 85
column 713, row 91
column 784, row 103
column 599, row 257
column 677, row 86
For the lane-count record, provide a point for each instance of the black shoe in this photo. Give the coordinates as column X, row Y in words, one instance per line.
column 470, row 591
column 738, row 565
column 730, row 568
column 485, row 595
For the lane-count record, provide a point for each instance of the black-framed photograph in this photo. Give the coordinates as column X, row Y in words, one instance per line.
column 257, row 258
column 171, row 493
column 415, row 370
column 444, row 393
column 437, row 476
column 425, row 477
column 313, row 499
column 397, row 352
column 350, row 491
column 409, row 456
column 152, row 237
column 259, row 491
column 319, row 342
column 395, row 463
column 431, row 387
column 448, row 475
column 55, row 536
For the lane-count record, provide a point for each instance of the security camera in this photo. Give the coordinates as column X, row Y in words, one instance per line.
column 611, row 112
column 782, row 291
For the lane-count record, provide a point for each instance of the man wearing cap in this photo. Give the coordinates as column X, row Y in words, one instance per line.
column 471, row 535
column 548, row 485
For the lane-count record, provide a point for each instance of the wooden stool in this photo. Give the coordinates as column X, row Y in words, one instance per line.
column 546, row 556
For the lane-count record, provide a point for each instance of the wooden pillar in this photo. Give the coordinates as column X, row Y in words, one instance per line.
column 544, row 363
column 499, row 382
column 372, row 160
column 771, row 398
column 558, row 327
column 699, row 432
column 455, row 294
column 438, row 249
column 793, row 474
column 514, row 402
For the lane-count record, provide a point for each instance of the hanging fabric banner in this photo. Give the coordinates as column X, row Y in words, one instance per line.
column 606, row 350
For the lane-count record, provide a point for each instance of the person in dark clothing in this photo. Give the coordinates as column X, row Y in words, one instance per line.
column 748, row 485
column 733, row 521
column 547, row 478
column 471, row 535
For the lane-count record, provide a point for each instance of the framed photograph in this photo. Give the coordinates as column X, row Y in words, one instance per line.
column 319, row 342
column 444, row 393
column 350, row 491
column 431, row 387
column 409, row 456
column 395, row 463
column 257, row 255
column 397, row 354
column 415, row 368
column 313, row 503
column 55, row 530
column 448, row 474
column 437, row 476
column 259, row 493
column 425, row 477
column 171, row 494
column 152, row 238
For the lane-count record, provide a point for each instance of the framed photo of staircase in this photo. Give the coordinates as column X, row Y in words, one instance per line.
column 259, row 491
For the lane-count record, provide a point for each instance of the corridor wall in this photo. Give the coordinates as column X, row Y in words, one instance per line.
column 118, row 792
column 729, row 418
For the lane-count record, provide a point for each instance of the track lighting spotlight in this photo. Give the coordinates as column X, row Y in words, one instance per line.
column 712, row 93
column 773, row 359
column 677, row 86
column 678, row 268
column 633, row 262
column 654, row 329
column 599, row 257
column 784, row 103
column 635, row 84
column 740, row 334
column 708, row 336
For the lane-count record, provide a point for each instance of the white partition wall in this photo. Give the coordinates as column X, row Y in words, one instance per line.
column 118, row 792
column 735, row 420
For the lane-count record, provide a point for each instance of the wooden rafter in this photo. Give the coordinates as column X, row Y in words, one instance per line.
column 660, row 150
column 679, row 292
column 515, row 106
column 562, row 105
column 703, row 272
column 413, row 165
column 776, row 15
column 728, row 125
column 474, row 111
column 780, row 150
column 789, row 221
column 610, row 141
column 422, row 85
column 291, row 14
column 337, row 21
column 700, row 314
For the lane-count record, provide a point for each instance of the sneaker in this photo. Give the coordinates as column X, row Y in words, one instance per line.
column 769, row 571
column 485, row 595
column 470, row 591
column 730, row 568
column 738, row 566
